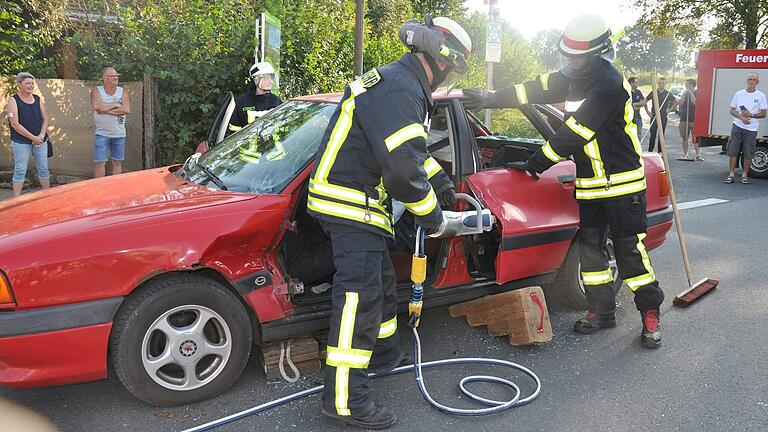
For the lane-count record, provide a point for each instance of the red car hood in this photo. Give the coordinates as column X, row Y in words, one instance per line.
column 115, row 198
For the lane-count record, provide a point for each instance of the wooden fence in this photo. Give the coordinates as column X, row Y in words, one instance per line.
column 72, row 128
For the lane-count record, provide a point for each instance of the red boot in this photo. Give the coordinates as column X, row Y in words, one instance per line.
column 651, row 336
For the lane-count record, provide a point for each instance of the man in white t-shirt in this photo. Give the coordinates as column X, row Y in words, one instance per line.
column 747, row 107
column 110, row 104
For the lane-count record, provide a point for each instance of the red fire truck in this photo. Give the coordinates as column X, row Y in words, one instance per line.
column 721, row 74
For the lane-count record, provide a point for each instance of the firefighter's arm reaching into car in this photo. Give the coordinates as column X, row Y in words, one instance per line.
column 545, row 88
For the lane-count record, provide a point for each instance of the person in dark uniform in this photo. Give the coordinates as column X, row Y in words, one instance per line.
column 374, row 151
column 638, row 100
column 610, row 179
column 666, row 100
column 257, row 102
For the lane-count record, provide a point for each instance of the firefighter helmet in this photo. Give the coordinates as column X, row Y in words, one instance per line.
column 588, row 35
column 456, row 38
column 259, row 71
column 441, row 38
column 445, row 45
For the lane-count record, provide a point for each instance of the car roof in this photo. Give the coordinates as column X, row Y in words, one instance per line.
column 336, row 97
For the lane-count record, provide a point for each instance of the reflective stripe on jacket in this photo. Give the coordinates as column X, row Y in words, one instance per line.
column 374, row 150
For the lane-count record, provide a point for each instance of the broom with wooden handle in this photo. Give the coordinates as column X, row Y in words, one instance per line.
column 697, row 290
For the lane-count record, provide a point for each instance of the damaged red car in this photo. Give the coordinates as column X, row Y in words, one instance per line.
column 172, row 276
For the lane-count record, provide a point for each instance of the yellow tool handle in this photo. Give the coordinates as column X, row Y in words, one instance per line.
column 414, row 313
column 418, row 269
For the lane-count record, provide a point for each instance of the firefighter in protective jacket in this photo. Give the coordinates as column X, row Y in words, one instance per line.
column 600, row 134
column 373, row 151
column 258, row 101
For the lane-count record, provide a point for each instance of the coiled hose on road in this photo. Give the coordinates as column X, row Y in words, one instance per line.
column 493, row 406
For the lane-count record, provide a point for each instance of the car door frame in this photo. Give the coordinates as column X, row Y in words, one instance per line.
column 218, row 129
column 513, row 260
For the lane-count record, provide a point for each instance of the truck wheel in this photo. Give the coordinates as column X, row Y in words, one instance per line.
column 180, row 339
column 567, row 290
column 759, row 167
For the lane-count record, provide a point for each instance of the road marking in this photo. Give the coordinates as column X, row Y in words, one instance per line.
column 700, row 203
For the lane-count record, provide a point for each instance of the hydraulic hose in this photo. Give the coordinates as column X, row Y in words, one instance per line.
column 418, row 366
column 418, row 275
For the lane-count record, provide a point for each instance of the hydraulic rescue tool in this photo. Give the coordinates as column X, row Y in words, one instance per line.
column 454, row 224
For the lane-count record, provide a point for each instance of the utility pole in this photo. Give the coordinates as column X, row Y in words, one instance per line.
column 359, row 22
column 492, row 49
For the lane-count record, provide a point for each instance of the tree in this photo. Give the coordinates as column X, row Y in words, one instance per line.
column 734, row 20
column 640, row 50
column 544, row 46
column 199, row 49
column 448, row 8
column 518, row 64
column 26, row 27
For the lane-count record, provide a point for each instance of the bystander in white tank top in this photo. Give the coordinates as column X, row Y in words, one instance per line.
column 106, row 124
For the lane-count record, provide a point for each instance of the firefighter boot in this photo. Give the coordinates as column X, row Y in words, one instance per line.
column 651, row 335
column 380, row 418
column 594, row 322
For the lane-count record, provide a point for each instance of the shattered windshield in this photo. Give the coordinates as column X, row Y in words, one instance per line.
column 265, row 156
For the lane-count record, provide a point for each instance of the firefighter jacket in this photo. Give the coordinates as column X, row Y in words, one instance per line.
column 250, row 106
column 374, row 150
column 600, row 133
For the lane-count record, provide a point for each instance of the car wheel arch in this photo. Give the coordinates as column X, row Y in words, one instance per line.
column 203, row 272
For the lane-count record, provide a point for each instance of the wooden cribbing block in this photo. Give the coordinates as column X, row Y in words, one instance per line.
column 305, row 355
column 521, row 314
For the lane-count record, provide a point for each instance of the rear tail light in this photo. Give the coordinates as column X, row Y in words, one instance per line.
column 6, row 296
column 663, row 184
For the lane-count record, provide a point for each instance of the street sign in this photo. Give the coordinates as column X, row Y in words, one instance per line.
column 269, row 37
column 493, row 38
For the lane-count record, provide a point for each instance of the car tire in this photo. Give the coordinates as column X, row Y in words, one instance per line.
column 180, row 339
column 759, row 166
column 567, row 290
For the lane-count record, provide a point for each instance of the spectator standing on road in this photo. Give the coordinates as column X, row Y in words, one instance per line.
column 257, row 102
column 747, row 107
column 665, row 102
column 638, row 101
column 687, row 107
column 29, row 123
column 110, row 104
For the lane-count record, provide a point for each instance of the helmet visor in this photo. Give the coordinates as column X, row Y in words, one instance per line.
column 263, row 81
column 449, row 83
column 578, row 67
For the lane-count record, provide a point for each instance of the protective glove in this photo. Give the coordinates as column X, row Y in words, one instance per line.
column 447, row 199
column 525, row 167
column 479, row 98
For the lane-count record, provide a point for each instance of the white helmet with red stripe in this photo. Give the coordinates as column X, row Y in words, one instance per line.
column 588, row 35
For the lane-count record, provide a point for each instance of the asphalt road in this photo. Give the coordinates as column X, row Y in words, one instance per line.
column 711, row 374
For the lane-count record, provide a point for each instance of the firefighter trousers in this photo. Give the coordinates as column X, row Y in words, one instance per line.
column 363, row 329
column 625, row 220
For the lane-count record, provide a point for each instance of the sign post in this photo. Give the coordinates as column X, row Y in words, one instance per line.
column 492, row 49
column 269, row 45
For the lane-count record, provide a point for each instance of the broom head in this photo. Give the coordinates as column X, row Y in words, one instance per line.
column 695, row 292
